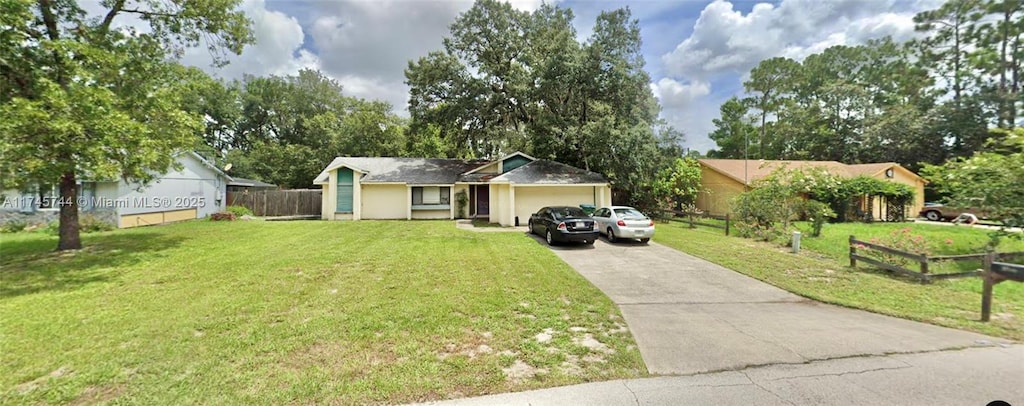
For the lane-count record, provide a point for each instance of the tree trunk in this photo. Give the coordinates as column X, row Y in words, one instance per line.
column 764, row 117
column 1006, row 103
column 68, row 202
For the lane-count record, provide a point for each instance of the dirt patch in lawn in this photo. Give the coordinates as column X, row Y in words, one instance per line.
column 99, row 394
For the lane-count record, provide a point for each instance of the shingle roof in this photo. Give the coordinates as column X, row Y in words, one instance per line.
column 547, row 172
column 757, row 168
column 249, row 183
column 868, row 169
column 436, row 171
column 414, row 171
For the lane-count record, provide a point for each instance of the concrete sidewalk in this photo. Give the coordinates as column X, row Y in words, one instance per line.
column 974, row 376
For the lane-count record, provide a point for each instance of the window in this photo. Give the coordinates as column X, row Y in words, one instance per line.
column 566, row 212
column 629, row 213
column 431, row 195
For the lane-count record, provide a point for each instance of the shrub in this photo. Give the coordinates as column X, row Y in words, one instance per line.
column 239, row 211
column 461, row 201
column 51, row 228
column 13, row 226
column 768, row 209
column 223, row 216
column 818, row 213
column 902, row 240
column 88, row 223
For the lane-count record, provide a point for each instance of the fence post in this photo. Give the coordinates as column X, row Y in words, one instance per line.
column 264, row 203
column 986, row 287
column 691, row 221
column 726, row 224
column 853, row 252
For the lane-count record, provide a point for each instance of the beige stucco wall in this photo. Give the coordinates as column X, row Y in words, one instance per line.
column 529, row 199
column 717, row 191
column 906, row 177
column 498, row 201
column 490, row 168
column 383, row 201
column 329, row 197
column 431, row 214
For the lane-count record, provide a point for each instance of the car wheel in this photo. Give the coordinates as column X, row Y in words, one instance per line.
column 933, row 215
column 611, row 235
column 547, row 236
column 529, row 225
column 645, row 240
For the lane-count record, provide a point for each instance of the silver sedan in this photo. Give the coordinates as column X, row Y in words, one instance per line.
column 624, row 222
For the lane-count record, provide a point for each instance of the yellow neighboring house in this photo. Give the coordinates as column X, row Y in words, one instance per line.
column 724, row 179
column 504, row 191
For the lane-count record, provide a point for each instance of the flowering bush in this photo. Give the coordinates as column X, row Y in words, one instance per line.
column 901, row 240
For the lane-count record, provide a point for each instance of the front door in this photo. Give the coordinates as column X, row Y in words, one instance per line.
column 483, row 197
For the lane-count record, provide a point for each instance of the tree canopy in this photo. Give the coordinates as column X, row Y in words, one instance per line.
column 989, row 180
column 82, row 96
column 914, row 103
column 510, row 80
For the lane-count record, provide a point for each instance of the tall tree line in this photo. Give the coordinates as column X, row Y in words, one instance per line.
column 923, row 101
column 509, row 80
column 284, row 129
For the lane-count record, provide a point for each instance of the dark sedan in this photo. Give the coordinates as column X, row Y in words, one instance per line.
column 563, row 224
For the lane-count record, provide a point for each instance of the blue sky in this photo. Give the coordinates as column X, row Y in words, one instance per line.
column 697, row 52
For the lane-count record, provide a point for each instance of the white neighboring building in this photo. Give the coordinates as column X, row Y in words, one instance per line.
column 195, row 191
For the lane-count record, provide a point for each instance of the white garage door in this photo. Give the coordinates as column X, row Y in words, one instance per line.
column 529, row 199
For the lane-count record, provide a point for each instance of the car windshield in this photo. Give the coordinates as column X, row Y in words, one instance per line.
column 629, row 213
column 564, row 212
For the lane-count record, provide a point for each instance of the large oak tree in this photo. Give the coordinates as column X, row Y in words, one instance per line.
column 82, row 95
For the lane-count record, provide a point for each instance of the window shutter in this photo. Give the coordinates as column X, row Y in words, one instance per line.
column 344, row 190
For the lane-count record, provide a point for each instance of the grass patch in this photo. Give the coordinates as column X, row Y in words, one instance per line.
column 942, row 240
column 825, row 276
column 480, row 222
column 296, row 312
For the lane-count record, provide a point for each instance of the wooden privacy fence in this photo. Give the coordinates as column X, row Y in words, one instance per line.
column 996, row 272
column 696, row 219
column 269, row 203
column 924, row 262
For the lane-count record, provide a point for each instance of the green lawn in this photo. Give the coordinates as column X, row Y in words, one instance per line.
column 821, row 272
column 297, row 312
column 942, row 240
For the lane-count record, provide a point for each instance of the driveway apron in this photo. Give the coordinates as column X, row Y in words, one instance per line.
column 692, row 316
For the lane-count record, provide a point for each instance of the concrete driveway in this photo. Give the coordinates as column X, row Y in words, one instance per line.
column 691, row 316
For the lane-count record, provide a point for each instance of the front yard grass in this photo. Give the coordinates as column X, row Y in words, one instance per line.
column 298, row 312
column 821, row 272
column 942, row 240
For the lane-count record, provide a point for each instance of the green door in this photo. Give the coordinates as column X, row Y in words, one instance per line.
column 344, row 190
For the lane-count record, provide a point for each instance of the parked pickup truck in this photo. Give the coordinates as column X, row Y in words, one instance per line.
column 939, row 212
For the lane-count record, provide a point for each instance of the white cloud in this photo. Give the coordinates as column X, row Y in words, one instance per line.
column 277, row 51
column 367, row 44
column 674, row 94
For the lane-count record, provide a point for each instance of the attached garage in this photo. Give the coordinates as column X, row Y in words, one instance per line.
column 522, row 191
column 529, row 199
